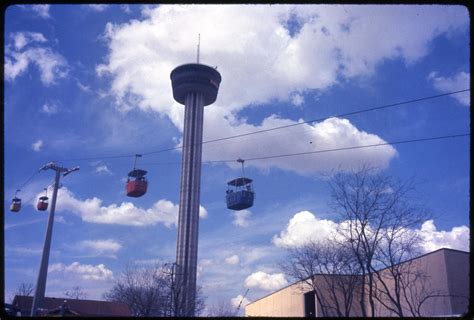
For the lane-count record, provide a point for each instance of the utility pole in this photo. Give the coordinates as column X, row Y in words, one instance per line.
column 43, row 272
column 238, row 308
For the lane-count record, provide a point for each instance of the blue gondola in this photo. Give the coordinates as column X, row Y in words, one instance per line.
column 240, row 194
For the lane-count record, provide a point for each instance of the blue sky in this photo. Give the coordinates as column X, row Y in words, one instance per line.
column 88, row 86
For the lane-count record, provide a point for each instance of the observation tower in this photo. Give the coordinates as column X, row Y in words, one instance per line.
column 195, row 86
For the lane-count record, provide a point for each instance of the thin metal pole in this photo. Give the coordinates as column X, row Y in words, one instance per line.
column 43, row 273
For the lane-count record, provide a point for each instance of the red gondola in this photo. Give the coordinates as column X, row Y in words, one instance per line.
column 42, row 204
column 137, row 183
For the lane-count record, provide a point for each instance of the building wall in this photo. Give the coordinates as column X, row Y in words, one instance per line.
column 446, row 281
column 457, row 265
column 287, row 302
column 433, row 280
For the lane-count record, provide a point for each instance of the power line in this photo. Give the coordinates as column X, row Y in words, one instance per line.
column 327, row 150
column 282, row 127
column 324, row 118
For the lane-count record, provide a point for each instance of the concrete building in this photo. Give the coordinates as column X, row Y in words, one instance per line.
column 438, row 286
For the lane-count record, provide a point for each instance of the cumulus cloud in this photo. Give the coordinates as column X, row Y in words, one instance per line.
column 50, row 64
column 302, row 228
column 241, row 218
column 253, row 45
column 305, row 227
column 457, row 238
column 239, row 300
column 265, row 281
column 457, row 82
column 234, row 259
column 92, row 210
column 85, row 271
column 37, row 145
column 333, row 133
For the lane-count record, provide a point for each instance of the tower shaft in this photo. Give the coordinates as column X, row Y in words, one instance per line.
column 188, row 221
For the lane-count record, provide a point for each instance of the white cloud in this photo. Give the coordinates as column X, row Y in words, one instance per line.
column 202, row 265
column 21, row 39
column 202, row 212
column 125, row 8
column 37, row 145
column 51, row 65
column 332, row 133
column 60, row 219
column 84, row 88
column 297, row 99
column 457, row 238
column 302, row 228
column 234, row 259
column 102, row 246
column 85, row 271
column 237, row 300
column 50, row 108
column 249, row 255
column 241, row 218
column 458, row 82
column 97, row 7
column 41, row 10
column 102, row 169
column 251, row 45
column 92, row 210
column 265, row 281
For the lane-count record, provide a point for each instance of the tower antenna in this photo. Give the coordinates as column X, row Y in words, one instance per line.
column 199, row 42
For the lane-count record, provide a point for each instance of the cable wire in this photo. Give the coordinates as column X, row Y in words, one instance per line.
column 326, row 150
column 26, row 182
column 279, row 127
column 321, row 119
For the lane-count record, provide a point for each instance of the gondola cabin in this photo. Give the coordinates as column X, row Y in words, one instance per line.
column 240, row 194
column 136, row 183
column 42, row 204
column 16, row 205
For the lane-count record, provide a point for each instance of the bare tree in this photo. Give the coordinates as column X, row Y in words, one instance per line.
column 330, row 270
column 144, row 290
column 150, row 291
column 24, row 289
column 222, row 308
column 76, row 293
column 377, row 217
